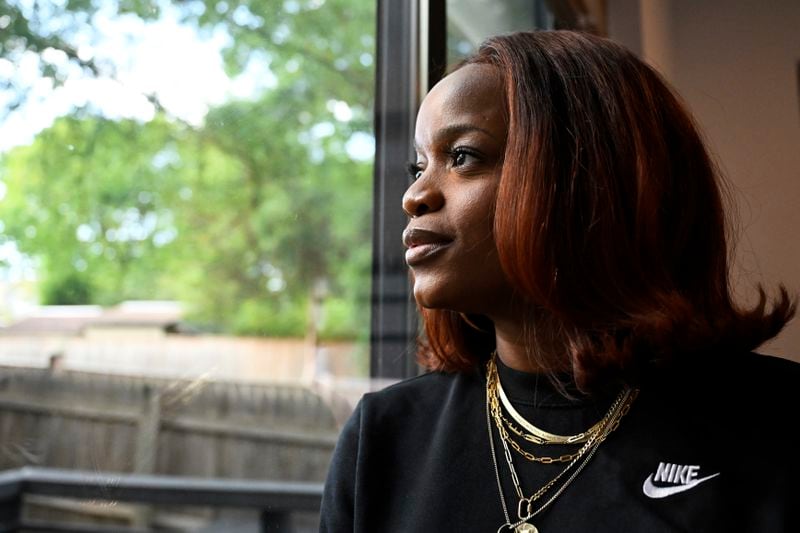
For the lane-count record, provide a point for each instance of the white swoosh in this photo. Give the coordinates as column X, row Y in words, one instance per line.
column 652, row 491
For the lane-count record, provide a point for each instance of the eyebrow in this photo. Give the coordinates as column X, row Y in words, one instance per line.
column 458, row 129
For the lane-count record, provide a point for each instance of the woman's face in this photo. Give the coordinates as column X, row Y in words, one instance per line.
column 460, row 140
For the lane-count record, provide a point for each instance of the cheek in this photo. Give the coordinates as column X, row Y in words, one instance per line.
column 476, row 225
column 475, row 207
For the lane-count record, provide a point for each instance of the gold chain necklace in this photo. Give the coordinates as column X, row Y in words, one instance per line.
column 492, row 382
column 525, row 510
column 538, row 435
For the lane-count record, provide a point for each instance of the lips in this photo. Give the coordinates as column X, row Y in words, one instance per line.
column 423, row 244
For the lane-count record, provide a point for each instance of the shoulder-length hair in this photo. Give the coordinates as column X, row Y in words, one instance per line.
column 609, row 220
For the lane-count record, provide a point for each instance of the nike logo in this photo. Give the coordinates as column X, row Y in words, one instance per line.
column 680, row 477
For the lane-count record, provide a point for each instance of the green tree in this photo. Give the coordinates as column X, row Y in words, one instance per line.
column 90, row 199
column 253, row 218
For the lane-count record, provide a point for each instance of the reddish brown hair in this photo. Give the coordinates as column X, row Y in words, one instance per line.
column 609, row 218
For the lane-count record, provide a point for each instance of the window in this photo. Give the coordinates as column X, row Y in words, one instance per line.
column 185, row 246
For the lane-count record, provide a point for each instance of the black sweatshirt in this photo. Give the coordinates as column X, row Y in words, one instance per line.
column 706, row 447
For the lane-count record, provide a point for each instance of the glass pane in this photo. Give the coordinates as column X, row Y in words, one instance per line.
column 185, row 246
column 469, row 22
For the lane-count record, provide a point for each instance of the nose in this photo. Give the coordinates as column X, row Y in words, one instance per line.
column 423, row 196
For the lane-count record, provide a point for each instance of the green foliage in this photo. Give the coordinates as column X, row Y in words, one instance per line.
column 71, row 289
column 238, row 218
column 274, row 318
column 341, row 320
column 89, row 198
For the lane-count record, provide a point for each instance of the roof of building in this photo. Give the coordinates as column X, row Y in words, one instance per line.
column 74, row 319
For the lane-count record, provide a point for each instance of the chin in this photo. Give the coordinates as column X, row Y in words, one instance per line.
column 448, row 297
column 462, row 295
column 429, row 296
column 425, row 300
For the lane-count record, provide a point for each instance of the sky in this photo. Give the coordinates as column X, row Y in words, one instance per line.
column 162, row 57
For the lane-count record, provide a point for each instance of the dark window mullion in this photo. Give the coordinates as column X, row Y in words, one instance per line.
column 394, row 318
column 393, row 323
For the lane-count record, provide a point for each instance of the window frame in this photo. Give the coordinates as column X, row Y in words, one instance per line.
column 411, row 54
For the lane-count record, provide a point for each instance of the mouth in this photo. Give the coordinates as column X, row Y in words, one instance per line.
column 423, row 244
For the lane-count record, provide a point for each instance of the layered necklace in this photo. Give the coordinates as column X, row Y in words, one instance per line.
column 520, row 429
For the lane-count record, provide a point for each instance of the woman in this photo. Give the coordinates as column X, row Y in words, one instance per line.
column 590, row 371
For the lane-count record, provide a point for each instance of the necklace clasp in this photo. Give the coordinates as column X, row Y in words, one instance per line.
column 527, row 513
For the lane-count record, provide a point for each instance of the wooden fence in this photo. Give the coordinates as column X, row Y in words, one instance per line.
column 150, row 426
column 121, row 424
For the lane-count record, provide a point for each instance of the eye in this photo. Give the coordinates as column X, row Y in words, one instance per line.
column 462, row 156
column 414, row 171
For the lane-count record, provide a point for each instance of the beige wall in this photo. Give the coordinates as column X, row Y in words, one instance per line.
column 735, row 62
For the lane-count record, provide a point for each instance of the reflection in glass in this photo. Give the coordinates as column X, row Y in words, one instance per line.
column 185, row 212
column 469, row 22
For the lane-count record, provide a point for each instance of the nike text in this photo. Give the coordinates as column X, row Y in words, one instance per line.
column 680, row 478
column 672, row 473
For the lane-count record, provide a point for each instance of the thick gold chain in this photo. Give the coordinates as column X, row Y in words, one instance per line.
column 610, row 420
column 538, row 435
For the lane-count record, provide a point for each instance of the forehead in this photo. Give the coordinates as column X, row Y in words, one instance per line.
column 471, row 96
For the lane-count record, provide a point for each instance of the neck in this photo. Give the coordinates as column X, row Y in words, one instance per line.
column 525, row 348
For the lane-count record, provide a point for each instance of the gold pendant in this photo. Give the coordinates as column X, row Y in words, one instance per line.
column 526, row 528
